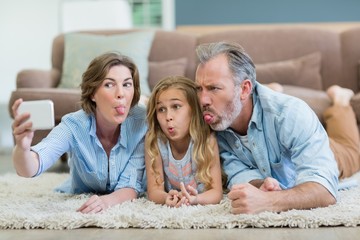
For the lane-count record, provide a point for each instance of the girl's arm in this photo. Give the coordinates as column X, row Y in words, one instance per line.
column 155, row 189
column 215, row 194
column 156, row 192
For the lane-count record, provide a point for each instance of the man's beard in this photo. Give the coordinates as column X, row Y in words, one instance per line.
column 228, row 116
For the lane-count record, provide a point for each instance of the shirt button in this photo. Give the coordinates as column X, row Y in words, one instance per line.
column 263, row 170
column 254, row 145
column 237, row 144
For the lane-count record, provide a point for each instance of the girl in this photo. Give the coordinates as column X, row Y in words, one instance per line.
column 182, row 156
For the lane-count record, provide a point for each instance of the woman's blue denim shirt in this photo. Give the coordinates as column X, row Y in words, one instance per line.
column 91, row 170
column 287, row 142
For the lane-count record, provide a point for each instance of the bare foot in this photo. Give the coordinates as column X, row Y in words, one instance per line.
column 275, row 86
column 340, row 96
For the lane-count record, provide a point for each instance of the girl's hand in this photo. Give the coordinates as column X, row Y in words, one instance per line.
column 190, row 193
column 175, row 199
column 21, row 129
column 270, row 184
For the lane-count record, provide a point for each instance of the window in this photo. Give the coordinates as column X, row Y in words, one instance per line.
column 153, row 13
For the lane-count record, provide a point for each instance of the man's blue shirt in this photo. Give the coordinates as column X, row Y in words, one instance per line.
column 286, row 141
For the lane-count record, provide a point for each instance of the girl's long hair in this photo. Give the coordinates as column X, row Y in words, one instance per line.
column 199, row 131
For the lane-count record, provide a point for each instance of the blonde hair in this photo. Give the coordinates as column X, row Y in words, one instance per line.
column 199, row 131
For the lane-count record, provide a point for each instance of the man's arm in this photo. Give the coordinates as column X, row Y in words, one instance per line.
column 248, row 199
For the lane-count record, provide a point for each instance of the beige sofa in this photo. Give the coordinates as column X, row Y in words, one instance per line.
column 306, row 60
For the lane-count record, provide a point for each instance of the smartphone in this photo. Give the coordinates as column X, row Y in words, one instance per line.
column 41, row 113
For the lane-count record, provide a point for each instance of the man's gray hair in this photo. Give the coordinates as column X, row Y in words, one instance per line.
column 240, row 63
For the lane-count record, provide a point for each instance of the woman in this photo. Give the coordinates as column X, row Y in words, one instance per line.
column 104, row 140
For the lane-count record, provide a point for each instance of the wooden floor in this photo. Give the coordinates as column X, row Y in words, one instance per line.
column 324, row 233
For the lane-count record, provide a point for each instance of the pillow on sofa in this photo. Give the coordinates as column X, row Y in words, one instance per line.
column 159, row 70
column 81, row 48
column 303, row 72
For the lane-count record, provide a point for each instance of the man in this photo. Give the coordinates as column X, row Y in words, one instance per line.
column 274, row 150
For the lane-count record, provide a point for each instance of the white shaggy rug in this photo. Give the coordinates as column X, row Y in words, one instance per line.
column 31, row 203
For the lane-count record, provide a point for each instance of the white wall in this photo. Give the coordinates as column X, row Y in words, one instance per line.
column 27, row 29
column 26, row 32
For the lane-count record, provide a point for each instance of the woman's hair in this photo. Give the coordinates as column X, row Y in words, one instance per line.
column 240, row 63
column 96, row 72
column 199, row 131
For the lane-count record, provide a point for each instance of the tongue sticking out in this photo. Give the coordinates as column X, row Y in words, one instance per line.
column 120, row 110
column 208, row 118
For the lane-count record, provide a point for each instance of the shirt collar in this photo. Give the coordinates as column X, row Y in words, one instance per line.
column 257, row 114
column 122, row 136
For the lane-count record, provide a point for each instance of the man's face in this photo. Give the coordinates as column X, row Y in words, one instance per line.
column 218, row 95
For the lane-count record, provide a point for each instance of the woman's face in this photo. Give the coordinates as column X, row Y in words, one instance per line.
column 114, row 96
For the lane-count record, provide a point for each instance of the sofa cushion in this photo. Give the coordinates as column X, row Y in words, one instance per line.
column 159, row 70
column 318, row 100
column 303, row 71
column 81, row 48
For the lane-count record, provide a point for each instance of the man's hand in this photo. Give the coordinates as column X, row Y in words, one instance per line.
column 245, row 198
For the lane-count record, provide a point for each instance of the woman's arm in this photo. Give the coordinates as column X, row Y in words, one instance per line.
column 25, row 161
column 100, row 203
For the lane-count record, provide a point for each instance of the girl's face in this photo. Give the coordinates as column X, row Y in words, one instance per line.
column 113, row 97
column 173, row 113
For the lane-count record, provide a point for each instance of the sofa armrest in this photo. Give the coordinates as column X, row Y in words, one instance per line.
column 32, row 78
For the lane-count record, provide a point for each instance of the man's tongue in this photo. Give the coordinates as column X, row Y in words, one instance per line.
column 208, row 118
column 120, row 110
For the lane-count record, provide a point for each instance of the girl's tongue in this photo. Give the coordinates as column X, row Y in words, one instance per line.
column 120, row 110
column 208, row 118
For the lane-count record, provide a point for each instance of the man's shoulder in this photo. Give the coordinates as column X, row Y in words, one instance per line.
column 276, row 102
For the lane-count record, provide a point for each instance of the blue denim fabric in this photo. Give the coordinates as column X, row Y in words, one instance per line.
column 287, row 142
column 90, row 168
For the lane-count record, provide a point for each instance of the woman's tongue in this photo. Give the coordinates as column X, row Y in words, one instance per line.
column 120, row 110
column 208, row 118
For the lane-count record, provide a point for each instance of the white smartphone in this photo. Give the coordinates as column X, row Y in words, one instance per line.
column 41, row 113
